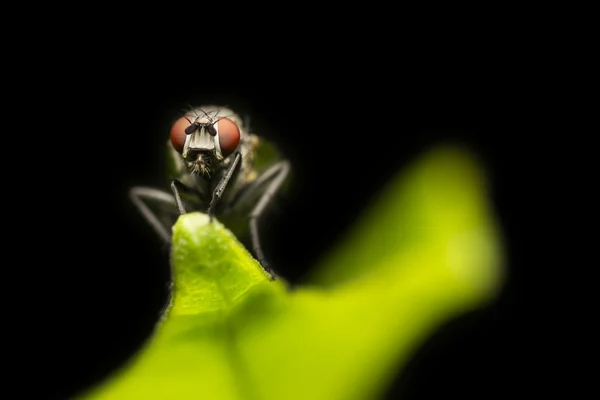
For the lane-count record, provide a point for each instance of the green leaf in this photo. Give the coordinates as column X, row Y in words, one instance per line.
column 427, row 250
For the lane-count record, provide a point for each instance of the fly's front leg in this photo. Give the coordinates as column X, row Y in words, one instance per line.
column 220, row 188
column 178, row 187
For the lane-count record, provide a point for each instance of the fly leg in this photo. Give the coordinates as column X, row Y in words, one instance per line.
column 179, row 188
column 265, row 186
column 155, row 206
column 279, row 173
column 220, row 188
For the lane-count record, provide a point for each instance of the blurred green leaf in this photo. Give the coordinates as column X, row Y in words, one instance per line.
column 427, row 249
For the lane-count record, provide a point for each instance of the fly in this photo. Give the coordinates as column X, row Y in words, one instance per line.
column 216, row 166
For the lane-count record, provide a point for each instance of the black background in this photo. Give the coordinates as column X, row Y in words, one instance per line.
column 101, row 272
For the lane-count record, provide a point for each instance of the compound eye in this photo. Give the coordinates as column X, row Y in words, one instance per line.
column 229, row 136
column 178, row 133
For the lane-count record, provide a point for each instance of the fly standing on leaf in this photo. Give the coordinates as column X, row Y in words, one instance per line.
column 216, row 166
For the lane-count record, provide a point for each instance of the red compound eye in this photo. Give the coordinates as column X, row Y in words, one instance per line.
column 229, row 136
column 178, row 133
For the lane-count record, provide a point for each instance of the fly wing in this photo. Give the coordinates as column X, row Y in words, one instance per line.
column 265, row 155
